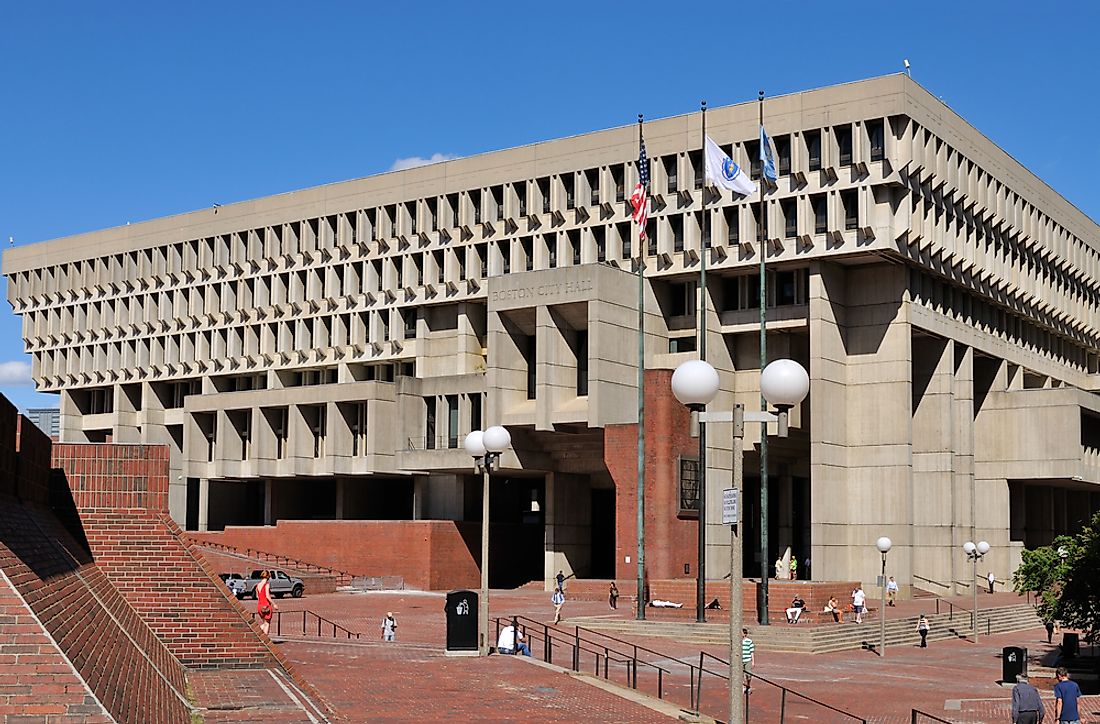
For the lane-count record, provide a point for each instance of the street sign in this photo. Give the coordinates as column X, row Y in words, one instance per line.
column 729, row 506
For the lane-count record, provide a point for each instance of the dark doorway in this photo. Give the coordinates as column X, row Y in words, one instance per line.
column 517, row 528
column 192, row 520
column 603, row 533
column 235, row 503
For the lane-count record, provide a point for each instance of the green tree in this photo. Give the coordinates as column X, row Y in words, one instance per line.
column 1066, row 577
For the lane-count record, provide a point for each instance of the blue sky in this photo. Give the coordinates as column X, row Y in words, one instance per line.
column 124, row 111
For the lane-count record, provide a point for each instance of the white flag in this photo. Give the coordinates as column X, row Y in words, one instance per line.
column 724, row 173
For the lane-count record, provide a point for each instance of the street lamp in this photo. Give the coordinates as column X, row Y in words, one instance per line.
column 485, row 448
column 884, row 545
column 695, row 383
column 975, row 553
column 783, row 383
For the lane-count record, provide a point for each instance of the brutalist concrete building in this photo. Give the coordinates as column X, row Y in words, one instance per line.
column 321, row 354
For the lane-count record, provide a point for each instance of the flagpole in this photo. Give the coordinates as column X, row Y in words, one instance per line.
column 641, row 598
column 762, row 597
column 701, row 564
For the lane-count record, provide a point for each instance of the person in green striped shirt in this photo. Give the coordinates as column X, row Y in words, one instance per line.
column 748, row 656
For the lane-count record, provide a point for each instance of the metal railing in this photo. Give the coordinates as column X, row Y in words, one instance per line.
column 772, row 704
column 929, row 580
column 583, row 642
column 666, row 672
column 436, row 442
column 919, row 716
column 281, row 560
column 309, row 622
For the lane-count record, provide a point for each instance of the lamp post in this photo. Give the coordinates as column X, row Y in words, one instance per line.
column 784, row 383
column 695, row 383
column 975, row 553
column 884, row 545
column 485, row 448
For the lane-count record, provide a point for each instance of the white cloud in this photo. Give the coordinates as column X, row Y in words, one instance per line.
column 413, row 161
column 15, row 374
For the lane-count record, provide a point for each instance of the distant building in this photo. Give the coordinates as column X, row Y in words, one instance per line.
column 321, row 354
column 48, row 420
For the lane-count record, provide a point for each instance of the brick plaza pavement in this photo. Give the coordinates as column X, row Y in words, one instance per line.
column 956, row 680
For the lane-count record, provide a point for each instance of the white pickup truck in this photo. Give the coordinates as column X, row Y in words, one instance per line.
column 281, row 585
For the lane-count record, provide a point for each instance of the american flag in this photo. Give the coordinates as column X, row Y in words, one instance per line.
column 639, row 199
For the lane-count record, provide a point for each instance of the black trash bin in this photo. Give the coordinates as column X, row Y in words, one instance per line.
column 461, row 611
column 1071, row 644
column 1013, row 663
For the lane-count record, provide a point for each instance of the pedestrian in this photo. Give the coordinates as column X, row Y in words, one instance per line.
column 1049, row 625
column 265, row 607
column 794, row 568
column 780, row 569
column 891, row 592
column 1027, row 707
column 922, row 629
column 991, row 579
column 859, row 599
column 389, row 627
column 560, row 578
column 511, row 642
column 795, row 610
column 1066, row 694
column 833, row 607
column 613, row 596
column 558, row 599
column 748, row 657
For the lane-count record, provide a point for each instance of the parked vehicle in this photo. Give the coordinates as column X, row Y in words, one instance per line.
column 234, row 582
column 281, row 585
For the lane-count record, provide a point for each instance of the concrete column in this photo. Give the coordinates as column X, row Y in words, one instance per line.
column 340, row 483
column 267, row 502
column 204, row 503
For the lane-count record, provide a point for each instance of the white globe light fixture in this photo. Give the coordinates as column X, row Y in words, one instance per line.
column 784, row 383
column 496, row 439
column 474, row 444
column 884, row 544
column 695, row 383
column 983, row 547
column 969, row 547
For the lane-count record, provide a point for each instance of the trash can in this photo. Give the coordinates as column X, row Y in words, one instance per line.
column 461, row 612
column 1013, row 663
column 1071, row 644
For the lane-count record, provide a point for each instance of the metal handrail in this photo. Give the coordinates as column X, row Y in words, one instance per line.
column 533, row 629
column 784, row 690
column 287, row 561
column 929, row 580
column 323, row 625
column 933, row 717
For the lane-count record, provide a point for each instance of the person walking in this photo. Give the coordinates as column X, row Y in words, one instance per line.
column 1066, row 694
column 859, row 600
column 891, row 592
column 794, row 567
column 613, row 596
column 748, row 657
column 389, row 627
column 1027, row 707
column 558, row 599
column 560, row 578
column 1049, row 626
column 991, row 579
column 265, row 607
column 922, row 629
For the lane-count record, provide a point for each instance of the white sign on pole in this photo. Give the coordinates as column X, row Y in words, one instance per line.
column 729, row 506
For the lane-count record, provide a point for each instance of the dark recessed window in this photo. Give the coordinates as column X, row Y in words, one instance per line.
column 671, row 174
column 851, row 209
column 752, row 148
column 783, row 151
column 844, row 144
column 876, row 131
column 790, row 217
column 689, row 486
column 820, row 207
column 813, row 149
column 733, row 224
column 682, row 344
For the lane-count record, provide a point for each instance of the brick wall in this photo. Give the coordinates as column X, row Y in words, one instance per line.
column 115, row 477
column 36, row 680
column 427, row 554
column 129, row 671
column 668, row 436
column 224, row 563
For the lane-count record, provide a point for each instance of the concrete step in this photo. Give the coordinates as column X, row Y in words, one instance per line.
column 822, row 638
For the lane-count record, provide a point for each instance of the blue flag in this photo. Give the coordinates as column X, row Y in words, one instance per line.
column 767, row 160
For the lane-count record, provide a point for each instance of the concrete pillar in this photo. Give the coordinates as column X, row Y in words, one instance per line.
column 340, row 483
column 268, row 486
column 204, row 503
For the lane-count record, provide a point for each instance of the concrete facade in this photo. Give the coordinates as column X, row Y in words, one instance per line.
column 322, row 353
